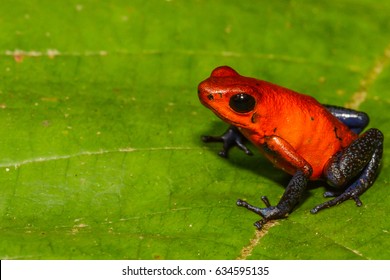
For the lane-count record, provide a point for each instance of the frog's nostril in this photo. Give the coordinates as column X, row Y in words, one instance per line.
column 210, row 97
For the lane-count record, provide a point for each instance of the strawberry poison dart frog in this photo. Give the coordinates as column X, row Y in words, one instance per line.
column 306, row 139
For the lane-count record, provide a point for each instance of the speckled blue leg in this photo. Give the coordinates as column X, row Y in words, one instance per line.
column 232, row 137
column 355, row 120
column 290, row 198
column 360, row 160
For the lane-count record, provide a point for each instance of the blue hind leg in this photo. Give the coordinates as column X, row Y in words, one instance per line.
column 355, row 120
column 358, row 163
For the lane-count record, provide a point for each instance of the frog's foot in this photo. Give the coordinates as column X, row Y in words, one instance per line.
column 290, row 198
column 268, row 213
column 339, row 199
column 232, row 137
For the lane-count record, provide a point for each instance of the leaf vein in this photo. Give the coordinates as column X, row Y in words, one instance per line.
column 259, row 234
column 372, row 75
column 18, row 55
column 89, row 153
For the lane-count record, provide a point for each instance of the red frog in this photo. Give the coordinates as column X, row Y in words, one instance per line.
column 308, row 140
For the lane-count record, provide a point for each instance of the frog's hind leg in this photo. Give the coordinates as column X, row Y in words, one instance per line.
column 355, row 120
column 360, row 161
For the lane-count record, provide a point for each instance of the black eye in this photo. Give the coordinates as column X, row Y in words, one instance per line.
column 242, row 103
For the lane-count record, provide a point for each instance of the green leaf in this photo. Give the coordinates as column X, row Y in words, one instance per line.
column 100, row 145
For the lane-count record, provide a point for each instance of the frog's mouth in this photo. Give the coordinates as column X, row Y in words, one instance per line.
column 226, row 118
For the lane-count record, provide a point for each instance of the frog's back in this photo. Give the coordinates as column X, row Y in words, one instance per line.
column 305, row 124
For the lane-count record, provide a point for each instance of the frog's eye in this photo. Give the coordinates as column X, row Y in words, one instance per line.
column 242, row 103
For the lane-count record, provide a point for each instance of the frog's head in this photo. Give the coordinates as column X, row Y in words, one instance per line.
column 230, row 96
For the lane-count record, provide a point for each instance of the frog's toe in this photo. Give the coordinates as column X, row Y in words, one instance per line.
column 223, row 153
column 257, row 210
column 208, row 138
column 326, row 204
column 357, row 201
column 259, row 224
column 242, row 146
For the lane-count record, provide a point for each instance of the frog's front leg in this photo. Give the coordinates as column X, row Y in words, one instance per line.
column 359, row 162
column 282, row 151
column 289, row 200
column 232, row 137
